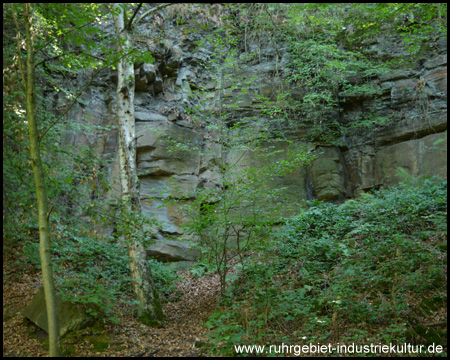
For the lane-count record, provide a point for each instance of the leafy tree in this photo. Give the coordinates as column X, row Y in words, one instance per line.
column 66, row 47
column 150, row 308
column 28, row 78
column 232, row 219
column 49, row 31
column 45, row 28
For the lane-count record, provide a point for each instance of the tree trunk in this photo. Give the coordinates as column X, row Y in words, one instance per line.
column 44, row 228
column 150, row 307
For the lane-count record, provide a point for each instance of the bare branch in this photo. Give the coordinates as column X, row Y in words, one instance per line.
column 152, row 10
column 73, row 102
column 128, row 26
column 70, row 52
column 8, row 36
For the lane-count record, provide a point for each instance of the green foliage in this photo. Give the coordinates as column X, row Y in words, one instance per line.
column 416, row 23
column 332, row 57
column 325, row 71
column 202, row 267
column 232, row 219
column 357, row 272
column 91, row 270
column 164, row 277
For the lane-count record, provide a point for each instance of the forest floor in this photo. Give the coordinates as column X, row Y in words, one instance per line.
column 183, row 334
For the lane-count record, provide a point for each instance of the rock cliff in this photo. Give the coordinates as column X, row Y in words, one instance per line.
column 176, row 155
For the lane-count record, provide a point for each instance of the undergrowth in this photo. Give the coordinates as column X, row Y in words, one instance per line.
column 372, row 270
column 91, row 270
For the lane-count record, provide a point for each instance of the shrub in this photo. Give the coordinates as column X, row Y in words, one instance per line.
column 359, row 272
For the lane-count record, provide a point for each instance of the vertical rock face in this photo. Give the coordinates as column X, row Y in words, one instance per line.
column 165, row 148
column 178, row 154
column 418, row 157
column 168, row 165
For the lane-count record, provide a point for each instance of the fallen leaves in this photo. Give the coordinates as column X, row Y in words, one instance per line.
column 179, row 337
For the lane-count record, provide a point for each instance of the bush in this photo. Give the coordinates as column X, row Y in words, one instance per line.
column 358, row 272
column 91, row 270
column 164, row 277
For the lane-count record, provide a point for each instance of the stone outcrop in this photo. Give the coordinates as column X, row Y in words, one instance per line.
column 159, row 150
column 177, row 154
column 418, row 157
column 72, row 317
column 170, row 250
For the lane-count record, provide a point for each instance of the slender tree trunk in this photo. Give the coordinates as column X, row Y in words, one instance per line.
column 150, row 307
column 44, row 228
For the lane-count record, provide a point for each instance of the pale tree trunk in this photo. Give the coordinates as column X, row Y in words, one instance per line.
column 44, row 228
column 150, row 307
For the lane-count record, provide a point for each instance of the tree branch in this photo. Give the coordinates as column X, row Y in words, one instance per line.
column 8, row 36
column 73, row 102
column 62, row 35
column 128, row 26
column 159, row 7
column 70, row 52
column 53, row 57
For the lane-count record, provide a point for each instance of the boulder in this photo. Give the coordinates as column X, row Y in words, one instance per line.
column 171, row 250
column 72, row 317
